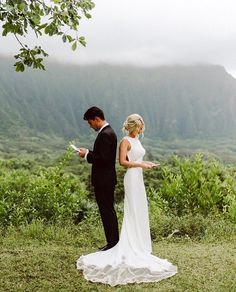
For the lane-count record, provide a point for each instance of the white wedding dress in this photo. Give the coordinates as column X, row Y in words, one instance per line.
column 130, row 261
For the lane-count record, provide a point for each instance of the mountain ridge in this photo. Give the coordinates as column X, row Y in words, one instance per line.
column 176, row 101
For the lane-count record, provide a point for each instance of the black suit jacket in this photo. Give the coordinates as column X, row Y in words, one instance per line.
column 103, row 158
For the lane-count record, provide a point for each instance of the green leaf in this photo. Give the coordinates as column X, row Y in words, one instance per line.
column 19, row 67
column 47, row 29
column 36, row 19
column 5, row 32
column 88, row 15
column 70, row 39
column 82, row 41
column 42, row 26
column 63, row 6
column 74, row 46
column 21, row 6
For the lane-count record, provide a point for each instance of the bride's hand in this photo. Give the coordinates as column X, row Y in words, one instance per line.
column 146, row 165
column 151, row 164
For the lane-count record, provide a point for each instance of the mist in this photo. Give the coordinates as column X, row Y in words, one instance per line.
column 150, row 33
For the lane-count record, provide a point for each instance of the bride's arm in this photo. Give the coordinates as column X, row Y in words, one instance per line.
column 123, row 150
column 152, row 163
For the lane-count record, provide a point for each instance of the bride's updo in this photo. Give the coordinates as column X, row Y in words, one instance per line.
column 133, row 122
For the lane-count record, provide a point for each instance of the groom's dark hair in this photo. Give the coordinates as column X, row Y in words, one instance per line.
column 94, row 112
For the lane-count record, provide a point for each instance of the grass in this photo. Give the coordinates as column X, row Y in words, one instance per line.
column 42, row 258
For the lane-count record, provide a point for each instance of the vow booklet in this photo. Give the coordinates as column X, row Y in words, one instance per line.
column 74, row 147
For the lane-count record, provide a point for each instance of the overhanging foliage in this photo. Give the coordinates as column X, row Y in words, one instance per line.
column 51, row 18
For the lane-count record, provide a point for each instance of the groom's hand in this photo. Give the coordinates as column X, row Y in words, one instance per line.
column 82, row 152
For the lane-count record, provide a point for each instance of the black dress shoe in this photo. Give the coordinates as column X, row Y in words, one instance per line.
column 106, row 247
column 101, row 248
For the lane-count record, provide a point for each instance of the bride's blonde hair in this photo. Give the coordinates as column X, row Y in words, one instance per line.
column 132, row 122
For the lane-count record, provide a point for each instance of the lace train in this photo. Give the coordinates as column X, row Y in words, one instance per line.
column 122, row 274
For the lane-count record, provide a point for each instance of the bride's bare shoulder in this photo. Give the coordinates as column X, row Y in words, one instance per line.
column 124, row 143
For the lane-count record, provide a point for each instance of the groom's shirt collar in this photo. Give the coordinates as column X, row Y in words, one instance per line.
column 106, row 124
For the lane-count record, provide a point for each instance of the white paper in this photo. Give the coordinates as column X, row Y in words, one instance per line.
column 74, row 147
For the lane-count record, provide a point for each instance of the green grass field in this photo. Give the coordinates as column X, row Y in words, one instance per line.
column 37, row 258
column 198, row 203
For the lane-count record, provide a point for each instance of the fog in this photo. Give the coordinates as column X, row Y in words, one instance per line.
column 150, row 33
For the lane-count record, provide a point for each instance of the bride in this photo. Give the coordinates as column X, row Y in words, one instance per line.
column 130, row 261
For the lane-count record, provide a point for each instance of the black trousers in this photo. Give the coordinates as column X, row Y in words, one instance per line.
column 105, row 200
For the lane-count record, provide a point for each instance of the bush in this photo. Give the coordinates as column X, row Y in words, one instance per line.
column 180, row 195
column 198, row 186
column 49, row 194
column 189, row 226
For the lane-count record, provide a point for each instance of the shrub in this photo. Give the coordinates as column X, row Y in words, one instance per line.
column 198, row 186
column 49, row 194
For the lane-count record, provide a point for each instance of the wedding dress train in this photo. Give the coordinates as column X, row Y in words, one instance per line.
column 130, row 261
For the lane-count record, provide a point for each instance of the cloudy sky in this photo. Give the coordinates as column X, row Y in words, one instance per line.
column 150, row 33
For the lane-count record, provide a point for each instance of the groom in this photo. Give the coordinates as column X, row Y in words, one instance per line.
column 103, row 158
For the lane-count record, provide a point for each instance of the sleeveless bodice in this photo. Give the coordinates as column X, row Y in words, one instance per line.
column 137, row 151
